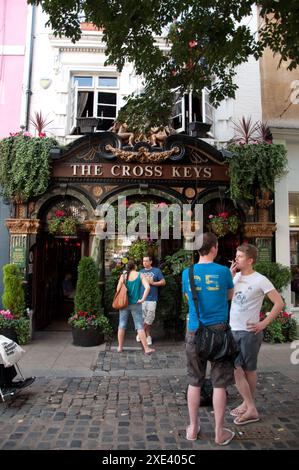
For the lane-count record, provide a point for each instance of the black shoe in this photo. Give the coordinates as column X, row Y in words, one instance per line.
column 23, row 383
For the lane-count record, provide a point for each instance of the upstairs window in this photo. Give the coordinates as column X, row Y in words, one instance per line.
column 94, row 96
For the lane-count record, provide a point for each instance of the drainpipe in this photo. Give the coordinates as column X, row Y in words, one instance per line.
column 28, row 78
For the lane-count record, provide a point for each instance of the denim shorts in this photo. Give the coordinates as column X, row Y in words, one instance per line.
column 249, row 345
column 136, row 311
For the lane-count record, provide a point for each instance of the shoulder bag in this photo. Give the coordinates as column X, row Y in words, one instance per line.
column 211, row 343
column 121, row 296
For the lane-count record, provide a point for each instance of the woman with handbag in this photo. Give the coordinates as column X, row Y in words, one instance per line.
column 132, row 280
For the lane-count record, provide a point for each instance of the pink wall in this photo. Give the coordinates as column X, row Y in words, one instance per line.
column 13, row 18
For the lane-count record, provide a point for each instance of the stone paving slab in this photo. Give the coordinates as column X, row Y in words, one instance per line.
column 139, row 413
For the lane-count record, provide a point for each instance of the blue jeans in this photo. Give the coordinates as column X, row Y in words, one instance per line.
column 136, row 311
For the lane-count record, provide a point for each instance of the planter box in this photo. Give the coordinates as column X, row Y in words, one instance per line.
column 87, row 124
column 87, row 338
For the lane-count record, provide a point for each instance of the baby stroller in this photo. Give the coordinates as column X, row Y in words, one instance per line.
column 10, row 354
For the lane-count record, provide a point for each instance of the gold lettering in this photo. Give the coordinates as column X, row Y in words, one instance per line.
column 75, row 169
column 175, row 171
column 158, row 171
column 126, row 170
column 114, row 169
column 98, row 171
column 207, row 172
column 198, row 171
column 137, row 171
column 187, row 172
column 148, row 171
column 85, row 169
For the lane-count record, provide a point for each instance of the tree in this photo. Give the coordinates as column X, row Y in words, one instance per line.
column 206, row 40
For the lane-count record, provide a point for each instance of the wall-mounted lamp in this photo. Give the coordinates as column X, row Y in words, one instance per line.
column 292, row 220
column 45, row 83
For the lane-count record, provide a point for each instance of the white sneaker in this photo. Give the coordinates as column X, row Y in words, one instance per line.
column 149, row 340
column 137, row 339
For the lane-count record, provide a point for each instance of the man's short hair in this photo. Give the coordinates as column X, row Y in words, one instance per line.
column 149, row 257
column 209, row 240
column 250, row 251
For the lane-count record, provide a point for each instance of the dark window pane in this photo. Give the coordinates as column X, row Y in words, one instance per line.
column 107, row 111
column 107, row 81
column 83, row 81
column 105, row 124
column 106, row 98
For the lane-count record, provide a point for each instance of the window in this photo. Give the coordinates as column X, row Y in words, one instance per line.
column 294, row 246
column 108, row 82
column 94, row 96
column 191, row 108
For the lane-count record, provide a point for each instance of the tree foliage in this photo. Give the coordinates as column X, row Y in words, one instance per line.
column 13, row 298
column 205, row 39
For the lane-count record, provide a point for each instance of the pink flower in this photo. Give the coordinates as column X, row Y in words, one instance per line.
column 192, row 44
column 41, row 134
column 27, row 134
column 211, row 216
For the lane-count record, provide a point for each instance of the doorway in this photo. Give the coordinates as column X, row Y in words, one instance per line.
column 55, row 277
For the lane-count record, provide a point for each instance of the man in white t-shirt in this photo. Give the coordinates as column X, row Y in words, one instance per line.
column 250, row 288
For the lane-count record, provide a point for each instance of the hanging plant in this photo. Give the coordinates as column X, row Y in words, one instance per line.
column 24, row 166
column 224, row 223
column 259, row 164
column 60, row 224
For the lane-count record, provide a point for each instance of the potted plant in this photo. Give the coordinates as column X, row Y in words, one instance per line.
column 89, row 325
column 61, row 224
column 224, row 223
column 14, row 323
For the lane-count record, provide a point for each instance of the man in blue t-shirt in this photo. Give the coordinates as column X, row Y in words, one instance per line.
column 156, row 279
column 214, row 286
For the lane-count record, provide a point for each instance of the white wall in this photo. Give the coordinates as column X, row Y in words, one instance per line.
column 247, row 100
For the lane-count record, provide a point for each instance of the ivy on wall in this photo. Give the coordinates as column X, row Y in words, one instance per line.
column 24, row 166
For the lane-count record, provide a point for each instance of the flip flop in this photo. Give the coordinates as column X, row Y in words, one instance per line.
column 224, row 443
column 245, row 421
column 193, row 438
column 236, row 413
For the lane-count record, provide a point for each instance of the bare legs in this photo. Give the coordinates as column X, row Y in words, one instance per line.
column 141, row 334
column 193, row 399
column 246, row 385
column 219, row 404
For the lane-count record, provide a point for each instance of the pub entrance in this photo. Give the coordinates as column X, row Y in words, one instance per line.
column 54, row 278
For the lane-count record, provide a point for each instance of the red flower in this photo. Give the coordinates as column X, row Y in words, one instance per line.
column 59, row 213
column 286, row 315
column 224, row 215
column 41, row 134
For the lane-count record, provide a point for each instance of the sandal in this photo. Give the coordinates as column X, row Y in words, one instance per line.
column 230, row 438
column 192, row 438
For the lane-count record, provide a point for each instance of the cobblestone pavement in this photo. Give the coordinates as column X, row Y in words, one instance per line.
column 139, row 402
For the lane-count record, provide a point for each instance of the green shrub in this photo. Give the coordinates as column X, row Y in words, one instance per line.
column 88, row 295
column 13, row 297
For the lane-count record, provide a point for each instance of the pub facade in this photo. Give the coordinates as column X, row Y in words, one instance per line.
column 97, row 169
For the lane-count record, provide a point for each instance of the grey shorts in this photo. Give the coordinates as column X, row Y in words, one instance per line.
column 249, row 345
column 222, row 373
column 149, row 311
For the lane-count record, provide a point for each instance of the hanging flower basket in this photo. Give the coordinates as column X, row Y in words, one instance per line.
column 222, row 224
column 62, row 225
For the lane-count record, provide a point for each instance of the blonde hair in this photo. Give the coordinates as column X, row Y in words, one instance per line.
column 250, row 251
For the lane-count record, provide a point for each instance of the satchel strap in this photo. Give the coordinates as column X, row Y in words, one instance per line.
column 193, row 290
